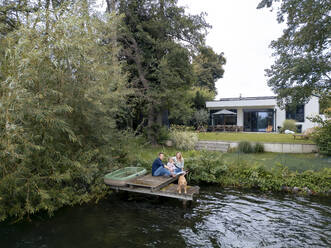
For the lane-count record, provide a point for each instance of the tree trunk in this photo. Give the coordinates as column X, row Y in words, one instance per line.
column 150, row 127
column 159, row 118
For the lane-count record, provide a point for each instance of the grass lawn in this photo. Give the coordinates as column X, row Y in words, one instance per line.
column 295, row 162
column 253, row 137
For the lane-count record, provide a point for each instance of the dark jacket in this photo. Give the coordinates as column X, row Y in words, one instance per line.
column 156, row 164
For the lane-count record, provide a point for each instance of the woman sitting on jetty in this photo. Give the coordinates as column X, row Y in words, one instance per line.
column 179, row 162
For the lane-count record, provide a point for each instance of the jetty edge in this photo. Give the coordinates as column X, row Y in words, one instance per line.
column 137, row 180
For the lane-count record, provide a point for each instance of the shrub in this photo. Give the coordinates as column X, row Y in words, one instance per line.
column 162, row 135
column 205, row 166
column 322, row 135
column 182, row 128
column 184, row 140
column 289, row 125
column 259, row 148
column 201, row 118
column 245, row 147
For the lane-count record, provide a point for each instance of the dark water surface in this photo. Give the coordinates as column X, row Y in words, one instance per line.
column 219, row 218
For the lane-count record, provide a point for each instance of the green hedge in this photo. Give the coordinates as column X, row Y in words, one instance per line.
column 210, row 167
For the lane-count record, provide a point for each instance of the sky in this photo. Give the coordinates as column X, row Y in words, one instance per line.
column 243, row 33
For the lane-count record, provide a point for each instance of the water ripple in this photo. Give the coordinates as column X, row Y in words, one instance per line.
column 249, row 220
column 219, row 218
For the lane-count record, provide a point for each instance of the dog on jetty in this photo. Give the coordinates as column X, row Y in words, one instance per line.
column 182, row 184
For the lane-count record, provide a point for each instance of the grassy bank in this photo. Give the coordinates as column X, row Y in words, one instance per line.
column 267, row 171
column 253, row 137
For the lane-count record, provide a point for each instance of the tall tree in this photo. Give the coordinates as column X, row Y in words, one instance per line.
column 158, row 41
column 303, row 55
column 208, row 68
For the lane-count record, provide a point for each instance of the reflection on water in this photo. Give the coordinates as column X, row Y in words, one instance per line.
column 219, row 218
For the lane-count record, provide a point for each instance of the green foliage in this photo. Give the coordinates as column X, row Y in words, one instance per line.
column 208, row 68
column 245, row 147
column 184, row 140
column 205, row 166
column 201, row 118
column 162, row 135
column 60, row 87
column 159, row 41
column 181, row 128
column 302, row 67
column 258, row 148
column 200, row 95
column 212, row 169
column 199, row 101
column 12, row 13
column 289, row 125
column 322, row 134
column 265, row 171
column 325, row 103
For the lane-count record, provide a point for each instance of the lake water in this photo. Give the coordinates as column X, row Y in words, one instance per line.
column 218, row 218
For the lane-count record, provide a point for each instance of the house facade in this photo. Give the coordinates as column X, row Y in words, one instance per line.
column 260, row 114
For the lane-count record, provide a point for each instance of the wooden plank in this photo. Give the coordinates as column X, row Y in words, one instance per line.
column 172, row 188
column 152, row 182
column 165, row 183
column 169, row 191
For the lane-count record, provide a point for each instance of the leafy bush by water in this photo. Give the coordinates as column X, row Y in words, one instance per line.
column 214, row 167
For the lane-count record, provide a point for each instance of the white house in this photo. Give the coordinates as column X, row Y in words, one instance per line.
column 259, row 114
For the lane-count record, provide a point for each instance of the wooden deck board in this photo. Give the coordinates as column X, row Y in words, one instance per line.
column 149, row 181
column 172, row 188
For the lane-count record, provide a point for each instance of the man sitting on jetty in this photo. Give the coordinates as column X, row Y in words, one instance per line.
column 159, row 169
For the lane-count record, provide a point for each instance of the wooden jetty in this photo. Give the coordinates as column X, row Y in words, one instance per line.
column 160, row 186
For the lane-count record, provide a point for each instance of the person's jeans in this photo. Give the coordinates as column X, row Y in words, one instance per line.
column 177, row 170
column 161, row 171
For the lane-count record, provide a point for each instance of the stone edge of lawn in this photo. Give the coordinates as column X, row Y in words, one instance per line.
column 262, row 142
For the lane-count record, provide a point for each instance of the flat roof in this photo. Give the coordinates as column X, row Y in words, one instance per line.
column 259, row 101
column 248, row 98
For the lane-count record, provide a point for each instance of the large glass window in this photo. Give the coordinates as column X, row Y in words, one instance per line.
column 296, row 113
column 258, row 120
